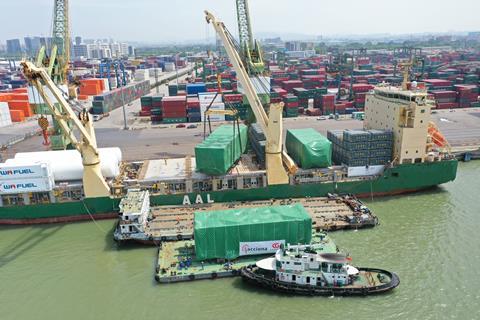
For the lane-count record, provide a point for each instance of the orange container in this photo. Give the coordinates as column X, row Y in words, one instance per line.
column 82, row 97
column 97, row 82
column 90, row 89
column 5, row 97
column 17, row 115
column 18, row 103
column 19, row 97
column 20, row 90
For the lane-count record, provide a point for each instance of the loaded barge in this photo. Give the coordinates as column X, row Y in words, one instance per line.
column 176, row 261
column 140, row 222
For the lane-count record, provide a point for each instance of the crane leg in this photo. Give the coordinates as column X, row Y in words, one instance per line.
column 276, row 173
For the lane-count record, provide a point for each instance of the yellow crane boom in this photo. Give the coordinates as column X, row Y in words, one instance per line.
column 271, row 124
column 94, row 184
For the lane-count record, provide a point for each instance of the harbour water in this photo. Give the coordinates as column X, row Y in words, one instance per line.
column 76, row 271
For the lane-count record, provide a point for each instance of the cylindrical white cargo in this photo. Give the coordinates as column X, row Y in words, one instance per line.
column 67, row 164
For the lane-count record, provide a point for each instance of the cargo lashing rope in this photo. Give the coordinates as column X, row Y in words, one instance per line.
column 91, row 216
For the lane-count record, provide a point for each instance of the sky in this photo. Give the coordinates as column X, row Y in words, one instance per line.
column 158, row 21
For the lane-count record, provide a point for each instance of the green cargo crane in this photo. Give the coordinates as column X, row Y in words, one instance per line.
column 57, row 62
column 251, row 51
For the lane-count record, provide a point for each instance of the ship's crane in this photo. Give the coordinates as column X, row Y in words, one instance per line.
column 94, row 184
column 251, row 51
column 271, row 125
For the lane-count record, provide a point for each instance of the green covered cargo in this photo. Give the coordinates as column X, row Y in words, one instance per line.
column 309, row 148
column 218, row 234
column 216, row 154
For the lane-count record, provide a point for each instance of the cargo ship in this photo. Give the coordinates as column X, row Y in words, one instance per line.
column 417, row 161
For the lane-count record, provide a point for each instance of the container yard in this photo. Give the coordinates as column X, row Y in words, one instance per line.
column 233, row 156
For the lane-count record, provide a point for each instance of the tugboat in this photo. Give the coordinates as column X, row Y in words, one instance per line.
column 302, row 270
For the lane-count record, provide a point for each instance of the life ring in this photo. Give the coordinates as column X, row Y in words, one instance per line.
column 214, row 275
column 179, row 237
column 191, row 277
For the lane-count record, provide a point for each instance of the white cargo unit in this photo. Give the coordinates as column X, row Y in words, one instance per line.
column 141, row 75
column 5, row 119
column 67, row 164
column 365, row 171
column 169, row 66
column 26, row 185
column 207, row 98
column 213, row 117
column 27, row 171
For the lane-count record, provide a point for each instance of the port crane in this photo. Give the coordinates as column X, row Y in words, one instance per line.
column 94, row 183
column 271, row 124
column 251, row 51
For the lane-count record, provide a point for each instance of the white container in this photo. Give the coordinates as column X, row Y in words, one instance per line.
column 19, row 171
column 26, row 185
column 169, row 66
column 5, row 119
column 213, row 117
column 207, row 98
column 67, row 164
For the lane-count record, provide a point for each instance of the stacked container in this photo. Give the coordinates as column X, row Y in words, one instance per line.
column 111, row 100
column 156, row 109
column 215, row 102
column 193, row 109
column 358, row 148
column 467, row 94
column 174, row 109
column 146, row 106
column 257, row 142
column 235, row 101
column 290, row 110
column 445, row 99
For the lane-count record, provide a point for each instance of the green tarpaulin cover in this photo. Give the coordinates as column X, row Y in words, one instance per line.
column 309, row 148
column 218, row 234
column 216, row 154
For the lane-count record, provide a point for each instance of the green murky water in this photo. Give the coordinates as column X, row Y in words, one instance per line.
column 76, row 271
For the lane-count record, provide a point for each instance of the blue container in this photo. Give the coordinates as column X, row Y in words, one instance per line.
column 350, row 110
column 194, row 88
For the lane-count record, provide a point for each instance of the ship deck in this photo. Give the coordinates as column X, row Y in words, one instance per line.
column 176, row 261
column 176, row 222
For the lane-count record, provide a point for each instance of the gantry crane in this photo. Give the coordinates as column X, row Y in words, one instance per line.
column 94, row 184
column 271, row 125
column 251, row 52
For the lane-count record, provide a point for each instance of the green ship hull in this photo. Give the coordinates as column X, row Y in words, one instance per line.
column 400, row 179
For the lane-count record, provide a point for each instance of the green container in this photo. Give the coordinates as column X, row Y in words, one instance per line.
column 218, row 234
column 146, row 101
column 216, row 154
column 174, row 120
column 309, row 148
